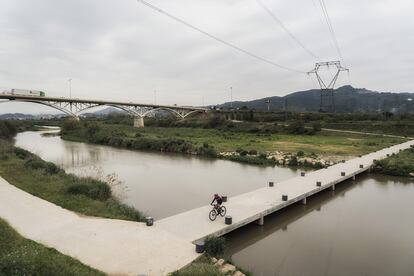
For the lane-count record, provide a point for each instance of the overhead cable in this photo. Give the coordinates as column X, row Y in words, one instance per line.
column 331, row 29
column 217, row 38
column 278, row 21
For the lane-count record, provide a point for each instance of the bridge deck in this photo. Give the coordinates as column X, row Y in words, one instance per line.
column 123, row 247
column 93, row 101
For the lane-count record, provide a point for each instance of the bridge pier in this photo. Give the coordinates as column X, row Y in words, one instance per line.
column 139, row 122
column 260, row 221
column 304, row 201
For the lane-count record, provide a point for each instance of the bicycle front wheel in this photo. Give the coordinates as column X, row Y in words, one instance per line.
column 212, row 215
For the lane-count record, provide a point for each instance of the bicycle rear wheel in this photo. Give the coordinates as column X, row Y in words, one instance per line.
column 212, row 215
column 222, row 211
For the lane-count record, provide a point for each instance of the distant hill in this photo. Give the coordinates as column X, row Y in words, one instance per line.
column 347, row 99
column 103, row 112
column 16, row 116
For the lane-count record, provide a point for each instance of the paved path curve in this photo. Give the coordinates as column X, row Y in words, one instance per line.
column 130, row 248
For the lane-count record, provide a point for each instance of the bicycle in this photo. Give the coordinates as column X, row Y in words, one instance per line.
column 217, row 211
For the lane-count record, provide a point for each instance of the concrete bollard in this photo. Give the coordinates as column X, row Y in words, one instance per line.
column 199, row 247
column 149, row 221
column 228, row 220
column 342, row 173
column 361, row 166
column 284, row 197
column 318, row 183
column 302, row 174
column 271, row 184
column 224, row 198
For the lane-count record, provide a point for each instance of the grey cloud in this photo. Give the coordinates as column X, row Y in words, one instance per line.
column 122, row 50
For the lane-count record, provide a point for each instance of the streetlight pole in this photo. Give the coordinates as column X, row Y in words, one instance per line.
column 231, row 96
column 70, row 88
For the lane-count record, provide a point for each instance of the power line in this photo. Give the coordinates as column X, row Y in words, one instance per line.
column 217, row 38
column 331, row 29
column 278, row 21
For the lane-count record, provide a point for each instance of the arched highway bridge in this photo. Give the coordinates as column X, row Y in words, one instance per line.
column 74, row 107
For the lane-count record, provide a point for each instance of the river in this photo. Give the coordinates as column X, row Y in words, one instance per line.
column 158, row 184
column 365, row 227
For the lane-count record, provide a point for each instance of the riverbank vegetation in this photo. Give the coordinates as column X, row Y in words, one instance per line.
column 212, row 262
column 381, row 122
column 258, row 144
column 20, row 256
column 45, row 180
column 400, row 164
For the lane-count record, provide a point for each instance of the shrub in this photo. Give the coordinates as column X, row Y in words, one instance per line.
column 207, row 150
column 252, row 152
column 7, row 130
column 263, row 155
column 254, row 130
column 39, row 164
column 214, row 246
column 300, row 153
column 297, row 127
column 293, row 161
column 35, row 164
column 316, row 127
column 21, row 153
column 70, row 124
column 92, row 129
column 91, row 188
column 216, row 121
column 51, row 168
column 243, row 153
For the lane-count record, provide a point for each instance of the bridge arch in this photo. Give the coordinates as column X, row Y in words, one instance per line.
column 74, row 107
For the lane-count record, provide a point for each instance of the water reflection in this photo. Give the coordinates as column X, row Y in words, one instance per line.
column 363, row 228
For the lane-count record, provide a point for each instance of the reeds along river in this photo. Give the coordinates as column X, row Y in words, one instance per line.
column 363, row 228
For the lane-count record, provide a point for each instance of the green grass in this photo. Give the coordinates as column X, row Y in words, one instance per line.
column 200, row 267
column 204, row 267
column 401, row 164
column 19, row 256
column 326, row 143
column 402, row 128
column 55, row 187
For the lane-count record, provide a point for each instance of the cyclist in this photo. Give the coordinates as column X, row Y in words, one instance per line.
column 218, row 201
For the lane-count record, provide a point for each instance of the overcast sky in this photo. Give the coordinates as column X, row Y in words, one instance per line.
column 123, row 50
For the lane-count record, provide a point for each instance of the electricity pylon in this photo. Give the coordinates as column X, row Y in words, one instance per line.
column 327, row 91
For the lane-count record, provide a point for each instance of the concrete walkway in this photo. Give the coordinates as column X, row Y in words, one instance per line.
column 113, row 246
column 129, row 248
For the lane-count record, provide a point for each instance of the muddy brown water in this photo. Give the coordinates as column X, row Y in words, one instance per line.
column 365, row 227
